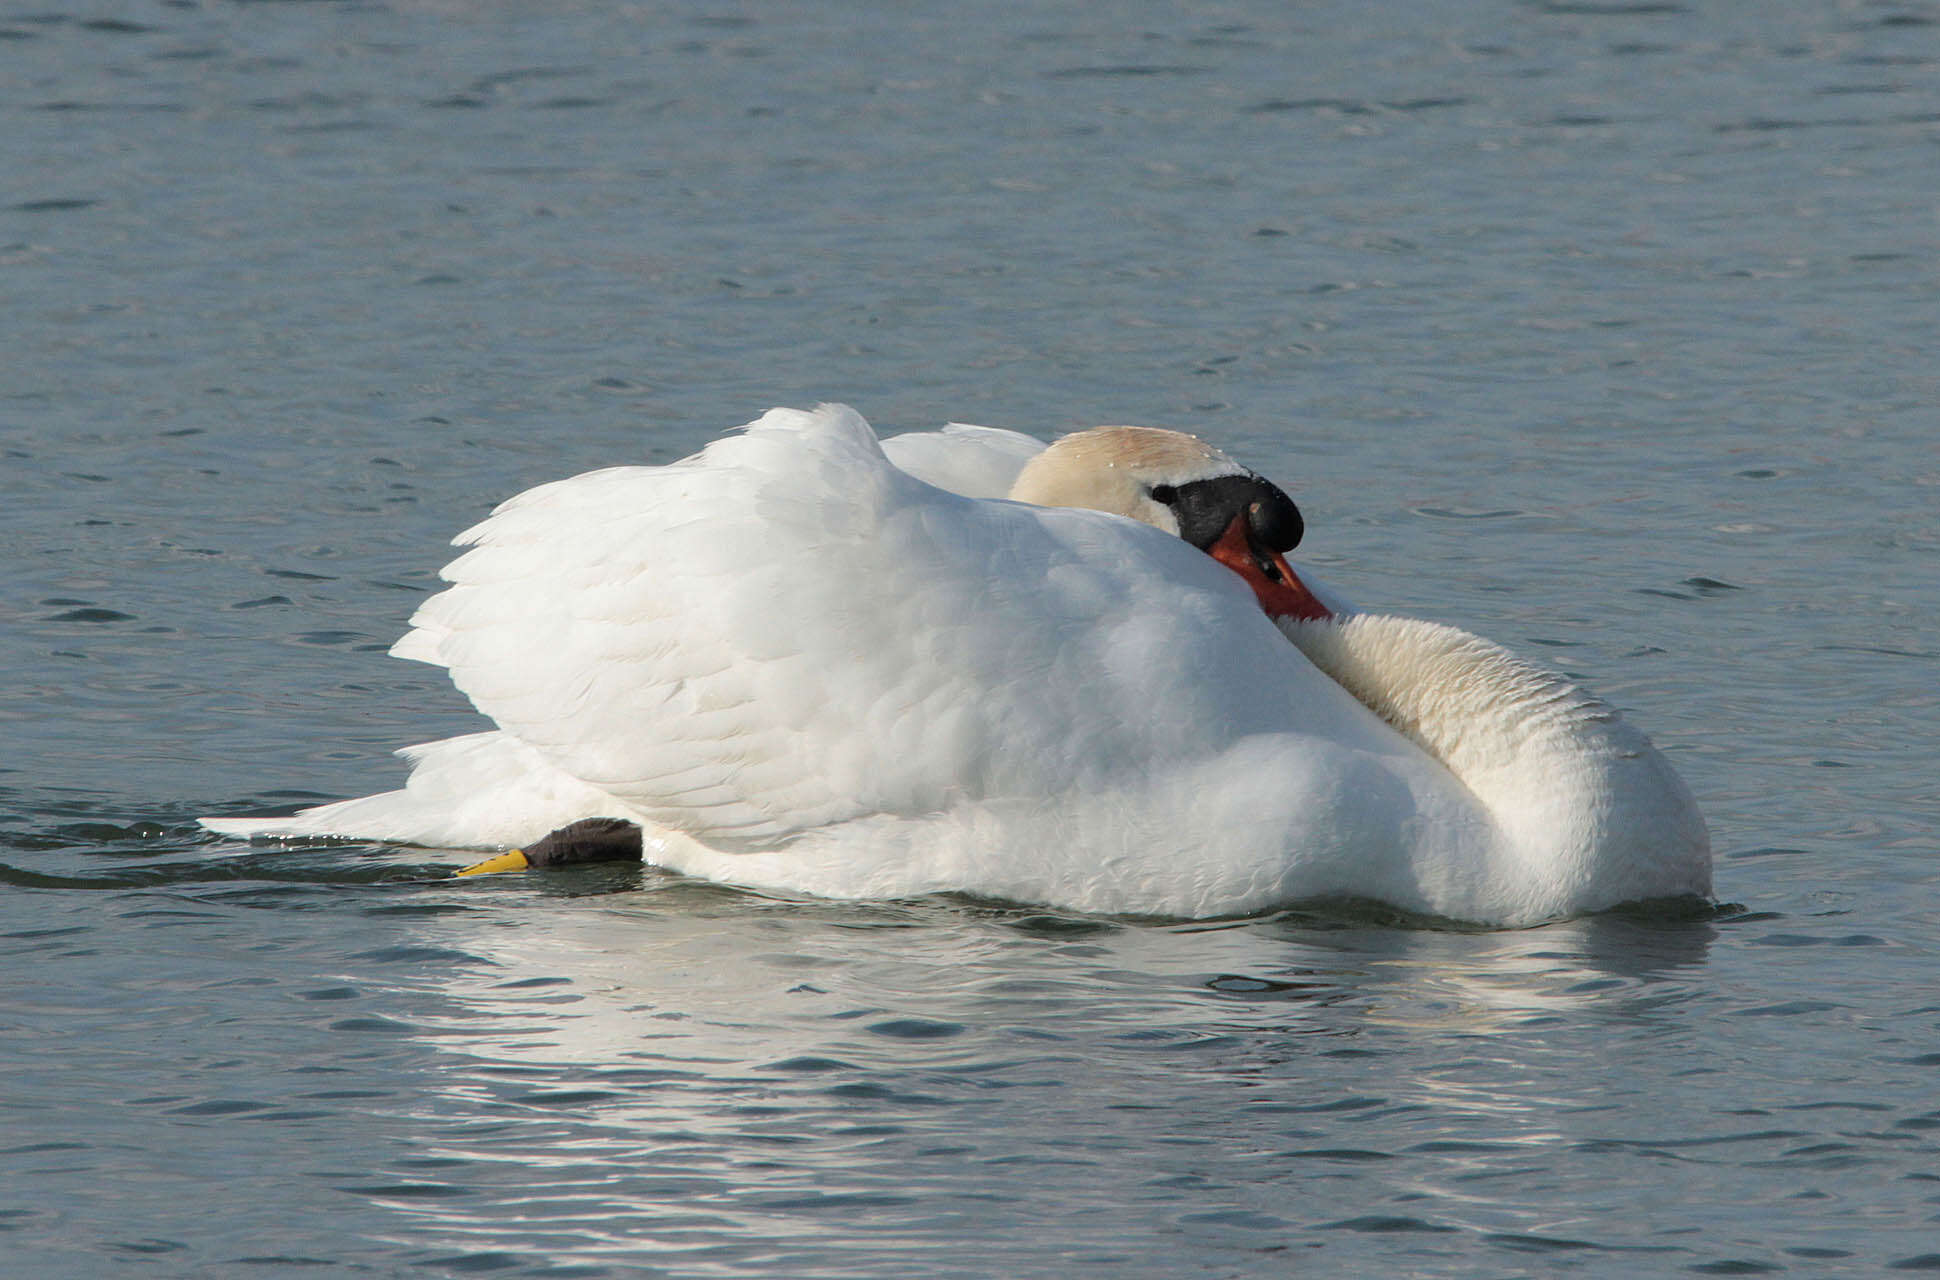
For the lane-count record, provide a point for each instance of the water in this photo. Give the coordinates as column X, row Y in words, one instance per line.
column 1603, row 330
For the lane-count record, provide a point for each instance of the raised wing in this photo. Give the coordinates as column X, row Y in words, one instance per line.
column 787, row 632
column 976, row 462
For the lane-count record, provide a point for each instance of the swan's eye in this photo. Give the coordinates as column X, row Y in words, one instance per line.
column 1164, row 494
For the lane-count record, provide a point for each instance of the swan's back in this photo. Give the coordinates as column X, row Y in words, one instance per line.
column 790, row 633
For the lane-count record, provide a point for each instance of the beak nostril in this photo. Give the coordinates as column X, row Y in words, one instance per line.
column 1280, row 591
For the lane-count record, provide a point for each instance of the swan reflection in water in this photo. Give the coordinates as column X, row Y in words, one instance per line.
column 676, row 1066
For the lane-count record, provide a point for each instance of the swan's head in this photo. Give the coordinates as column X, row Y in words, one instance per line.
column 1182, row 485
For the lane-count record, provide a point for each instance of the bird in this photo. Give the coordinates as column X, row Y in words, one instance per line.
column 809, row 661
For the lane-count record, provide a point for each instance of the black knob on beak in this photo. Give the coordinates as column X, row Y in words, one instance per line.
column 1273, row 518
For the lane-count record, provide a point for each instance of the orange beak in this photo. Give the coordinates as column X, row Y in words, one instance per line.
column 1273, row 580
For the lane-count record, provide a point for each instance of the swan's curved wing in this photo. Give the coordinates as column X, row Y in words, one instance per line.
column 976, row 462
column 786, row 632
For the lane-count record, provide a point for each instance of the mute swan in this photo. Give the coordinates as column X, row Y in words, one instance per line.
column 796, row 665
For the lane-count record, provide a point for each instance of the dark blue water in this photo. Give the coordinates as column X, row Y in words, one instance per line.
column 1604, row 330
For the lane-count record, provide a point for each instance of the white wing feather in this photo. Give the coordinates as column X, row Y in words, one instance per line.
column 977, row 462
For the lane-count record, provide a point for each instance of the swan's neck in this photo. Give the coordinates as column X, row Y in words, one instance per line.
column 1566, row 781
column 1468, row 702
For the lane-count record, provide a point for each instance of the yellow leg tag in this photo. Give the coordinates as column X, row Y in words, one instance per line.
column 511, row 860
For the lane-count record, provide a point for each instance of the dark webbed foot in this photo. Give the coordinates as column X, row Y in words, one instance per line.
column 588, row 840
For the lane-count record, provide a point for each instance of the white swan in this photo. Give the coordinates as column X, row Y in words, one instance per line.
column 798, row 666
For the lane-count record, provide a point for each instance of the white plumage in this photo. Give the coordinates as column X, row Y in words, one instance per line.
column 799, row 666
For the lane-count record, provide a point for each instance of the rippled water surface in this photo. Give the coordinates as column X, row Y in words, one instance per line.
column 1605, row 330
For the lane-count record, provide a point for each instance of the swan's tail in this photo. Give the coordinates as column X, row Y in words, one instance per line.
column 481, row 791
